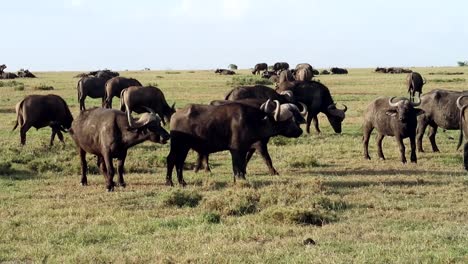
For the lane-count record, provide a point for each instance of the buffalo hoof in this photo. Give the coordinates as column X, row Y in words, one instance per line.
column 274, row 172
column 404, row 161
column 182, row 183
column 122, row 184
column 169, row 183
column 110, row 189
column 367, row 157
column 381, row 158
column 84, row 184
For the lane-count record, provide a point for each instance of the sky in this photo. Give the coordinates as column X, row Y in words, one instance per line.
column 64, row 35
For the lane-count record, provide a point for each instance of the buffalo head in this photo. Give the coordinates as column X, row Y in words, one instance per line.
column 287, row 117
column 150, row 123
column 336, row 116
column 402, row 108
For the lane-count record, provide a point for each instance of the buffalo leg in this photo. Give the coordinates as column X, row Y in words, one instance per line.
column 379, row 138
column 238, row 163
column 179, row 163
column 422, row 125
column 110, row 171
column 432, row 135
column 308, row 121
column 365, row 140
column 52, row 137
column 202, row 161
column 465, row 156
column 413, row 157
column 120, row 169
column 316, row 123
column 103, row 102
column 170, row 161
column 263, row 150
column 401, row 146
column 23, row 131
column 84, row 167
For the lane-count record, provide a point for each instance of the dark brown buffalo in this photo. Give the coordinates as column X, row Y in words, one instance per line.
column 39, row 111
column 224, row 72
column 286, row 80
column 440, row 110
column 8, row 75
column 138, row 98
column 93, row 87
column 415, row 83
column 268, row 74
column 260, row 67
column 25, row 74
column 397, row 70
column 107, row 74
column 108, row 134
column 318, row 99
column 279, row 66
column 396, row 119
column 336, row 70
column 115, row 86
column 232, row 126
column 304, row 74
column 2, row 68
column 324, row 72
column 381, row 70
column 463, row 128
column 259, row 92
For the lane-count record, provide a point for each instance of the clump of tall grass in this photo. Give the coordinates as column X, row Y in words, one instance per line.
column 43, row 87
column 448, row 80
column 181, row 198
column 300, row 216
column 172, row 72
column 236, row 202
column 249, row 80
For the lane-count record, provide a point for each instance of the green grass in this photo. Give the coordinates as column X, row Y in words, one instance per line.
column 356, row 211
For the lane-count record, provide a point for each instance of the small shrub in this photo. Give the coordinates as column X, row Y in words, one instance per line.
column 159, row 77
column 300, row 216
column 211, row 218
column 181, row 198
column 304, row 162
column 43, row 87
column 249, row 80
column 238, row 202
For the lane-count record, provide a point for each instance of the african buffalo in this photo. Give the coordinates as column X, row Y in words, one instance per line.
column 8, row 75
column 304, row 74
column 415, row 83
column 440, row 110
column 268, row 74
column 260, row 67
column 324, row 72
column 259, row 92
column 93, row 87
column 395, row 119
column 336, row 70
column 136, row 98
column 2, row 68
column 39, row 111
column 318, row 99
column 232, row 126
column 463, row 129
column 108, row 134
column 114, row 87
column 25, row 74
column 224, row 72
column 279, row 66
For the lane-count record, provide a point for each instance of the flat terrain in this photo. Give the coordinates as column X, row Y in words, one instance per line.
column 355, row 211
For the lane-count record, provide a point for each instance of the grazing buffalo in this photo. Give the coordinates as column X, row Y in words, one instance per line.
column 318, row 99
column 114, row 87
column 398, row 70
column 260, row 67
column 415, row 83
column 138, row 98
column 259, row 92
column 440, row 110
column 279, row 66
column 93, row 87
column 463, row 129
column 40, row 111
column 108, row 134
column 224, row 72
column 381, row 70
column 396, row 119
column 232, row 126
column 336, row 70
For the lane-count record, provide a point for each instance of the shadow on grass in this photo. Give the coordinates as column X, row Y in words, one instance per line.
column 17, row 175
column 7, row 110
column 386, row 172
column 359, row 184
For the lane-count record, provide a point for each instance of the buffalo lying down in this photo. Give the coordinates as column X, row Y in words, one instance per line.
column 108, row 134
column 40, row 111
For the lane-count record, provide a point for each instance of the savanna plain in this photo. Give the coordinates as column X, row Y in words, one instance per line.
column 328, row 205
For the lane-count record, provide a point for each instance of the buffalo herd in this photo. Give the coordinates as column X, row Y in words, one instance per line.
column 242, row 122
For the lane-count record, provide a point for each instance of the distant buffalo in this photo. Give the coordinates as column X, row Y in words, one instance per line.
column 224, row 72
column 93, row 87
column 336, row 70
column 324, row 72
column 260, row 67
column 415, row 83
column 115, row 86
column 107, row 74
column 39, row 111
column 25, row 74
column 279, row 66
column 8, row 75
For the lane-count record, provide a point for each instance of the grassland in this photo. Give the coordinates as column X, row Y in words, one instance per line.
column 355, row 211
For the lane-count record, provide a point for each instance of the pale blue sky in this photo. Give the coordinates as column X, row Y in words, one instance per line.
column 205, row 34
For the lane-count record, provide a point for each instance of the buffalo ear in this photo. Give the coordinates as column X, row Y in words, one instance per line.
column 419, row 111
column 391, row 113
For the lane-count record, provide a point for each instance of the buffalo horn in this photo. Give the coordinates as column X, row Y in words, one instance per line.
column 264, row 106
column 418, row 103
column 459, row 100
column 277, row 110
column 304, row 109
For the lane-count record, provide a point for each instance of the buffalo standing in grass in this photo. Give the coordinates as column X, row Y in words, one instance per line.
column 463, row 129
column 39, row 111
column 108, row 134
column 232, row 126
column 317, row 98
column 93, row 87
column 415, row 83
column 336, row 70
column 440, row 110
column 114, row 87
column 136, row 98
column 260, row 67
column 395, row 119
column 280, row 66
